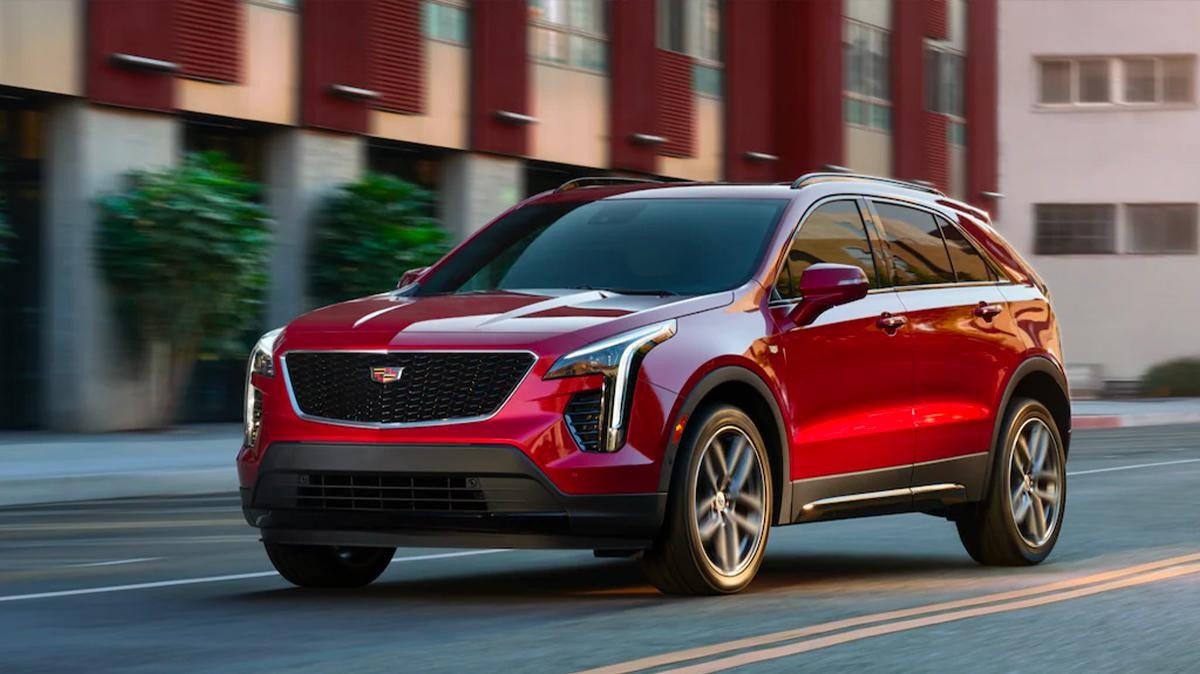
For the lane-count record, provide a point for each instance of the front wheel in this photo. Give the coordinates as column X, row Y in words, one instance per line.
column 1019, row 520
column 719, row 509
column 328, row 566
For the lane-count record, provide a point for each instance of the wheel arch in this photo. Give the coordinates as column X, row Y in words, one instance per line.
column 741, row 388
column 1041, row 379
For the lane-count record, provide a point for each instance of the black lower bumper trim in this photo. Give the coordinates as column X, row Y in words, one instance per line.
column 435, row 495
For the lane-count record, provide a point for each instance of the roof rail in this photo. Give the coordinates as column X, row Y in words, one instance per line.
column 824, row 176
column 592, row 181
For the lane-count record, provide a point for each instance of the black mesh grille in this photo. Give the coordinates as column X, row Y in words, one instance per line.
column 431, row 386
column 583, row 418
column 367, row 491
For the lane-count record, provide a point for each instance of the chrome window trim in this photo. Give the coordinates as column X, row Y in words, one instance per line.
column 287, row 379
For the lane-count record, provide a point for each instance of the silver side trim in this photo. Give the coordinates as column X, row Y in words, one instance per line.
column 287, row 380
column 923, row 490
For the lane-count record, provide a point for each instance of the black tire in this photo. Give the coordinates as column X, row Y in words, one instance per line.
column 328, row 566
column 989, row 530
column 678, row 563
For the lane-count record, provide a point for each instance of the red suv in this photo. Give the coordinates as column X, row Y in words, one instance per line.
column 665, row 371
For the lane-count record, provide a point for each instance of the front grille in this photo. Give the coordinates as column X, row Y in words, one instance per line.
column 583, row 418
column 389, row 492
column 432, row 386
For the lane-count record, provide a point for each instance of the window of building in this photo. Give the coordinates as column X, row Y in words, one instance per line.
column 918, row 251
column 1075, row 229
column 868, row 89
column 969, row 265
column 835, row 233
column 693, row 27
column 1162, row 229
column 445, row 20
column 1098, row 81
column 570, row 33
column 944, row 70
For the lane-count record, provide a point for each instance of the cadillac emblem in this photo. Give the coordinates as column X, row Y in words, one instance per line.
column 386, row 375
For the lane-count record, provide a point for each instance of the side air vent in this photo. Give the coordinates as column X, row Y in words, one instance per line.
column 583, row 418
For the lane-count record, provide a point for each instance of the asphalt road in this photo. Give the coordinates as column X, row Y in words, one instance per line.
column 154, row 585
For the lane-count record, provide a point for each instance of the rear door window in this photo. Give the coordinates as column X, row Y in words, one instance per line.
column 915, row 240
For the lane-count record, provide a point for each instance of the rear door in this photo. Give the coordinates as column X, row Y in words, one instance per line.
column 847, row 379
column 962, row 340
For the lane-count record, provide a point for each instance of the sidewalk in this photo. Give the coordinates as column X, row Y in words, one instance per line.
column 46, row 467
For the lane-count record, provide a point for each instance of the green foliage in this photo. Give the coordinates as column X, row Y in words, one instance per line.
column 1179, row 377
column 184, row 251
column 370, row 232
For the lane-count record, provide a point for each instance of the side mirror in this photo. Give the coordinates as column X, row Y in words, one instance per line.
column 411, row 276
column 824, row 286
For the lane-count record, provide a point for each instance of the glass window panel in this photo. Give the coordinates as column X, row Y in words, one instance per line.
column 918, row 252
column 1162, row 229
column 706, row 80
column 1178, row 75
column 833, row 233
column 1093, row 81
column 1055, row 82
column 588, row 53
column 881, row 117
column 1074, row 229
column 969, row 265
column 1139, row 81
column 854, row 111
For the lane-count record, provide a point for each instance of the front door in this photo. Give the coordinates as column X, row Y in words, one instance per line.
column 848, row 378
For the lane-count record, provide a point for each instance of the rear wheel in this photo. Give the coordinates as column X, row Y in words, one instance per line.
column 1019, row 520
column 328, row 565
column 719, row 509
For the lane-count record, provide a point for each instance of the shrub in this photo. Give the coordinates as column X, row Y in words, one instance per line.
column 367, row 234
column 184, row 252
column 1179, row 377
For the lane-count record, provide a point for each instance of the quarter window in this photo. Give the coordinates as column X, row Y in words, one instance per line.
column 969, row 265
column 918, row 251
column 833, row 233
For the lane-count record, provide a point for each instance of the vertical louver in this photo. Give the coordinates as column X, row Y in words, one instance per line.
column 210, row 39
column 937, row 151
column 397, row 55
column 676, row 104
column 936, row 19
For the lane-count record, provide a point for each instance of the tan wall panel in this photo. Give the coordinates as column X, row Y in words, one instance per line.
column 572, row 111
column 706, row 165
column 444, row 124
column 41, row 43
column 269, row 89
column 868, row 151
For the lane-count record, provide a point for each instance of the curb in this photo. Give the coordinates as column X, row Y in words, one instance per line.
column 95, row 486
column 1128, row 420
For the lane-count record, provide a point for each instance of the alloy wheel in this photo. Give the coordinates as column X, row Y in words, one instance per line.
column 1035, row 482
column 730, row 501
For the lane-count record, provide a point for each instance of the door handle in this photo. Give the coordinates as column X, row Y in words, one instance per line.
column 890, row 323
column 988, row 311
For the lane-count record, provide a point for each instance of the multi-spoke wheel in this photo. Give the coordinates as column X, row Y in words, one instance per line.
column 1019, row 520
column 719, row 510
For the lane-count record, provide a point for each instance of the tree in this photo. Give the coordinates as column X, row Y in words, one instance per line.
column 184, row 253
column 368, row 233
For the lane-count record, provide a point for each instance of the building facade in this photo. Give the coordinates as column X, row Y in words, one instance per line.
column 484, row 102
column 1100, row 135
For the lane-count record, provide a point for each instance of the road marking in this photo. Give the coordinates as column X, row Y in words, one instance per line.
column 116, row 562
column 212, row 579
column 1136, row 465
column 752, row 657
column 115, row 526
column 859, row 621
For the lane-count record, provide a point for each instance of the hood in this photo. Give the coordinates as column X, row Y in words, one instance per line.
column 390, row 319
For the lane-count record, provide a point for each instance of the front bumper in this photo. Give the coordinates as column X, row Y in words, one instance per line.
column 434, row 496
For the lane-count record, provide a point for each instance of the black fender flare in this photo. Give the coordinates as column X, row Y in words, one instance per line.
column 710, row 381
column 1027, row 367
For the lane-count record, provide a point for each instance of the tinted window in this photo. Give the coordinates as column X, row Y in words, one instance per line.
column 684, row 246
column 969, row 265
column 917, row 249
column 834, row 232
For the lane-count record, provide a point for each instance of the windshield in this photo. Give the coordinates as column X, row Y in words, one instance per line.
column 669, row 246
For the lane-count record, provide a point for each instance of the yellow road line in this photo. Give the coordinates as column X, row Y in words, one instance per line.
column 858, row 621
column 776, row 652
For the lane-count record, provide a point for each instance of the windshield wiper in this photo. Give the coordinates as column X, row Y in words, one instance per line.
column 630, row 291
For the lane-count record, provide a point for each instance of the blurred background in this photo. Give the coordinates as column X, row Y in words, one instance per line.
column 177, row 176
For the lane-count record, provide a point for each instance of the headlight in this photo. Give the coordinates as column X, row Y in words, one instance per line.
column 617, row 359
column 262, row 363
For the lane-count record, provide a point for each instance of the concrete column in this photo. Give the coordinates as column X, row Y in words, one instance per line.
column 303, row 166
column 476, row 188
column 90, row 385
